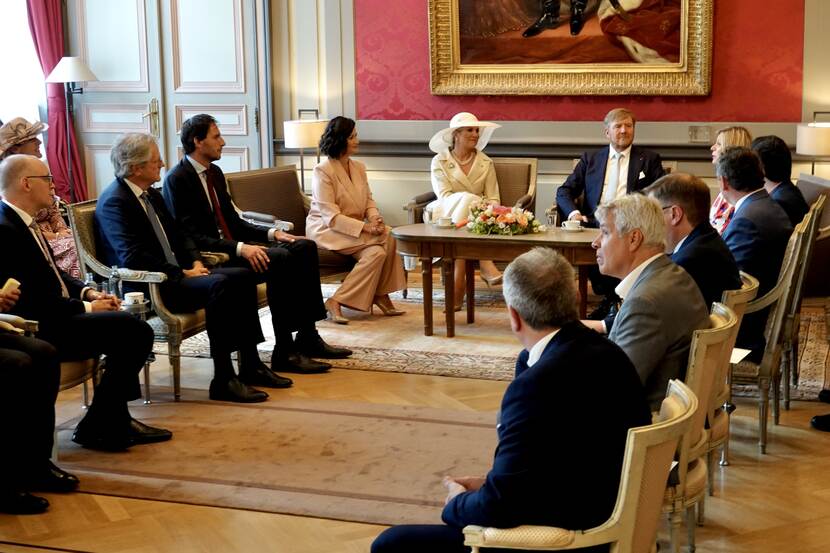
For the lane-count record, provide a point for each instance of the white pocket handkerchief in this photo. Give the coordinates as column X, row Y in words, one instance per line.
column 642, row 175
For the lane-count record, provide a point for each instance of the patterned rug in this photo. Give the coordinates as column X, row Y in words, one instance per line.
column 485, row 349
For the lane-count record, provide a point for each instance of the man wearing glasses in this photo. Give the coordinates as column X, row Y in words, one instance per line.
column 79, row 322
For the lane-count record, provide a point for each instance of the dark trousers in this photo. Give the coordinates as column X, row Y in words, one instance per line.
column 228, row 296
column 124, row 339
column 30, row 375
column 293, row 279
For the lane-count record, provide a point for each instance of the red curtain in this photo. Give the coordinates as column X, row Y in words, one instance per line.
column 46, row 25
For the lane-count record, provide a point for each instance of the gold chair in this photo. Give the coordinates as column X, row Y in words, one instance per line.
column 517, row 187
column 632, row 526
column 720, row 407
column 272, row 195
column 767, row 373
column 687, row 486
column 167, row 326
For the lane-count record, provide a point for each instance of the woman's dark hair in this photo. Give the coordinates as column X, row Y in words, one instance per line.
column 335, row 138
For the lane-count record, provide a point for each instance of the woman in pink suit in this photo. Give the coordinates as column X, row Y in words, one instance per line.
column 344, row 218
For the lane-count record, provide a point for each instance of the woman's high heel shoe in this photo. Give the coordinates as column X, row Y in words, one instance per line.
column 492, row 281
column 388, row 310
column 334, row 313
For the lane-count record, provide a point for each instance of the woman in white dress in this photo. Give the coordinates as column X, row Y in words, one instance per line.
column 344, row 218
column 462, row 175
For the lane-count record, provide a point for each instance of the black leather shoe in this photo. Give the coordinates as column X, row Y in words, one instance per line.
column 141, row 433
column 548, row 20
column 47, row 477
column 22, row 503
column 821, row 422
column 319, row 349
column 824, row 396
column 92, row 437
column 577, row 17
column 263, row 376
column 235, row 390
column 298, row 363
column 603, row 309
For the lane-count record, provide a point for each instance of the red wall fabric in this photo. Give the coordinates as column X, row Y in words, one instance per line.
column 756, row 72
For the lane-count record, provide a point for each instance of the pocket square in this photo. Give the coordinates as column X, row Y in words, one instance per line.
column 642, row 175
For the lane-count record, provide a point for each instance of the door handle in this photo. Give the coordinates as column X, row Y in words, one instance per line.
column 153, row 114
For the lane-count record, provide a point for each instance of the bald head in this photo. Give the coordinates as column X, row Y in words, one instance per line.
column 25, row 182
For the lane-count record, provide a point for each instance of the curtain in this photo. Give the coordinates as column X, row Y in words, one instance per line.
column 46, row 25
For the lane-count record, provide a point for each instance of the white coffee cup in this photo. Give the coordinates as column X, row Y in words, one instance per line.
column 571, row 225
column 444, row 221
column 133, row 298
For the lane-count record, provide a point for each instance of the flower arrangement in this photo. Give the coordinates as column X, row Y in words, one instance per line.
column 486, row 218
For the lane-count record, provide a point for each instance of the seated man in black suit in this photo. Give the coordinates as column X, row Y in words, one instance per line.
column 602, row 176
column 79, row 322
column 134, row 230
column 778, row 166
column 757, row 235
column 548, row 460
column 693, row 243
column 32, row 365
column 197, row 195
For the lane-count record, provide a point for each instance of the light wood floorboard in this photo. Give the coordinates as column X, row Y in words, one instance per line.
column 775, row 503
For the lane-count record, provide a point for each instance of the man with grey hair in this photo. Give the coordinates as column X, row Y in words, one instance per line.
column 135, row 230
column 662, row 305
column 552, row 452
column 79, row 322
column 603, row 175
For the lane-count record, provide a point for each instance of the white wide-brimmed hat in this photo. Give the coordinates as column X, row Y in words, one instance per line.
column 17, row 131
column 443, row 138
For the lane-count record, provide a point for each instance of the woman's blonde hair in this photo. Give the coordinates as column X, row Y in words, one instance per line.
column 735, row 137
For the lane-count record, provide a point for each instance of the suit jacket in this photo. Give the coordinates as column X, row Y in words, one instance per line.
column 125, row 236
column 339, row 206
column 655, row 323
column 40, row 291
column 553, row 450
column 790, row 198
column 757, row 236
column 588, row 178
column 706, row 258
column 187, row 202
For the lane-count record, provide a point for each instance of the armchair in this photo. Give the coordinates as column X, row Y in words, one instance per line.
column 517, row 187
column 167, row 326
column 632, row 526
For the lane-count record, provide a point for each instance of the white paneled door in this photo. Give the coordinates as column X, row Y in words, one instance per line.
column 159, row 62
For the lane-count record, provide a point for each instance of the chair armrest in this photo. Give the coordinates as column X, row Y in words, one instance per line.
column 17, row 325
column 267, row 220
column 521, row 537
column 415, row 207
column 823, row 233
column 524, row 201
column 423, row 199
column 146, row 277
column 214, row 258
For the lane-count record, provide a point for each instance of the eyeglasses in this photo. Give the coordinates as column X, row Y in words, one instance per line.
column 665, row 207
column 47, row 178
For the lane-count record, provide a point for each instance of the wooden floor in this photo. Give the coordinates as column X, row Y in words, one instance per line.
column 775, row 503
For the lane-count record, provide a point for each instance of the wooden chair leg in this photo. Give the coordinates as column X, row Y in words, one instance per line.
column 763, row 405
column 710, row 469
column 674, row 530
column 147, row 400
column 175, row 368
column 690, row 527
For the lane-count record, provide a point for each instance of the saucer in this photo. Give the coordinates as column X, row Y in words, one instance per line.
column 566, row 229
column 451, row 225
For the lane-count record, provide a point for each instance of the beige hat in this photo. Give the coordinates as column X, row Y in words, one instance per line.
column 17, row 131
column 443, row 138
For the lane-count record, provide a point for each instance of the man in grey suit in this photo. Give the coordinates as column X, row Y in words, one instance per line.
column 662, row 306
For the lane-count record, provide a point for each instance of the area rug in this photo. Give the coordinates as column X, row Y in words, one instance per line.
column 380, row 464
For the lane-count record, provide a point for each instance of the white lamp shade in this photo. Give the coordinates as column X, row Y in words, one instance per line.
column 71, row 69
column 303, row 133
column 813, row 140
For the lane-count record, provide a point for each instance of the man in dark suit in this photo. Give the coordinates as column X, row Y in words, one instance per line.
column 548, row 460
column 757, row 235
column 602, row 176
column 196, row 194
column 134, row 230
column 662, row 306
column 693, row 243
column 778, row 166
column 32, row 365
column 79, row 322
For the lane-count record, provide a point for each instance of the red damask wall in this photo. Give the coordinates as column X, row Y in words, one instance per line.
column 756, row 71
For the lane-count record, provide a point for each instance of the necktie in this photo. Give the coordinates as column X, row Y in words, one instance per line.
column 156, row 224
column 45, row 247
column 217, row 209
column 613, row 181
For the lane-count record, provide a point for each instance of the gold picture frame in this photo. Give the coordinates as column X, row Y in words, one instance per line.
column 689, row 75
